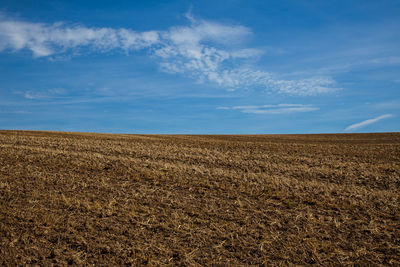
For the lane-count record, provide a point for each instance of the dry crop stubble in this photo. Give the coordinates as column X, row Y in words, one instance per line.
column 103, row 199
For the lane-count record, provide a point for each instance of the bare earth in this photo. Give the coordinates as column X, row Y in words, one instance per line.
column 82, row 199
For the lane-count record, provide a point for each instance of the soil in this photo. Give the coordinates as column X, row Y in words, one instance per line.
column 109, row 199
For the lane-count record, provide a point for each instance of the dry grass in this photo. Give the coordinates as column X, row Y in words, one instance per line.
column 76, row 198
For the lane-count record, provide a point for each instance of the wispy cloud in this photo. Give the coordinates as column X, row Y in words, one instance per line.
column 387, row 105
column 45, row 40
column 273, row 109
column 35, row 95
column 367, row 122
column 15, row 112
column 207, row 51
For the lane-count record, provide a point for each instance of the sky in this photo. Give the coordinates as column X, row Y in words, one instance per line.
column 200, row 67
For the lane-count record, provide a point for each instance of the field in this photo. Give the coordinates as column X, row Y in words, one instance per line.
column 103, row 199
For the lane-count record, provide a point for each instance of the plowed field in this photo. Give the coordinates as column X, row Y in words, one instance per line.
column 108, row 199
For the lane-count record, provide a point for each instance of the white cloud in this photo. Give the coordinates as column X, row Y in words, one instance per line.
column 392, row 60
column 45, row 40
column 246, row 107
column 273, row 109
column 280, row 110
column 367, row 122
column 249, row 78
column 15, row 112
column 34, row 94
column 203, row 50
column 247, row 53
column 392, row 104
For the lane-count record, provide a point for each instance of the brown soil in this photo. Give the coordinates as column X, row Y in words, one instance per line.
column 102, row 199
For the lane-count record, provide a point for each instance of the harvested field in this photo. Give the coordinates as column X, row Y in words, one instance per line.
column 103, row 199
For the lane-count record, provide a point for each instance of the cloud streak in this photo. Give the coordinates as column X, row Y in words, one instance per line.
column 38, row 95
column 273, row 109
column 367, row 122
column 45, row 40
column 202, row 50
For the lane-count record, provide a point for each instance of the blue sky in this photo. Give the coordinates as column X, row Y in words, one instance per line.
column 200, row 67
